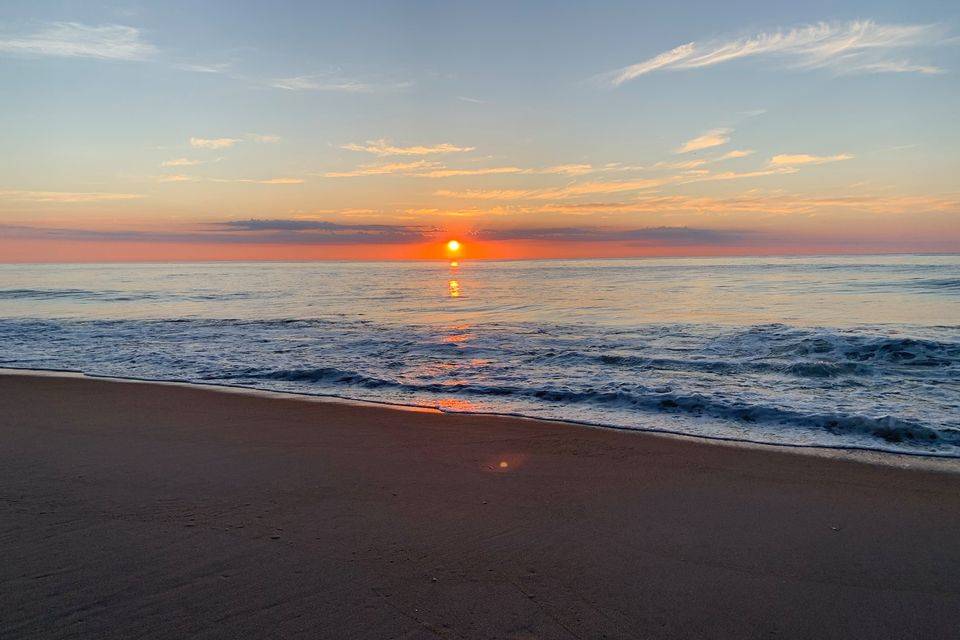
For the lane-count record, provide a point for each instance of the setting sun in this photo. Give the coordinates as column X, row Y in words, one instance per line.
column 453, row 246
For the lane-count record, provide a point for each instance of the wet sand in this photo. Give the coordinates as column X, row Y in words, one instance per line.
column 133, row 510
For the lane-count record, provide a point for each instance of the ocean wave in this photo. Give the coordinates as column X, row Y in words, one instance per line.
column 914, row 285
column 888, row 428
column 872, row 387
column 52, row 294
column 116, row 296
column 841, row 348
column 938, row 284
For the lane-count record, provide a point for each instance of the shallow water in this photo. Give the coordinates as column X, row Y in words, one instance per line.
column 832, row 351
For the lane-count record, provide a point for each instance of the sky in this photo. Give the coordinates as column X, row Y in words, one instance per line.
column 380, row 130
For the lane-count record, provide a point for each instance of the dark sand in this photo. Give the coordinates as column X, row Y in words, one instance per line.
column 133, row 510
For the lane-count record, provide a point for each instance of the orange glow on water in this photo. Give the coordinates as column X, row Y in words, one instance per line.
column 456, row 404
column 454, row 287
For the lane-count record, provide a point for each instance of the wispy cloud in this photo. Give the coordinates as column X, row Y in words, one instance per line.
column 756, row 201
column 321, row 231
column 597, row 188
column 700, row 162
column 433, row 169
column 680, row 165
column 263, row 138
column 65, row 196
column 213, row 143
column 405, row 168
column 861, row 46
column 733, row 155
column 334, row 83
column 576, row 169
column 482, row 171
column 664, row 60
column 268, row 181
column 180, row 162
column 76, row 40
column 558, row 193
column 274, row 181
column 794, row 159
column 665, row 236
column 739, row 175
column 712, row 138
column 223, row 67
column 894, row 66
column 384, row 147
column 254, row 231
column 224, row 143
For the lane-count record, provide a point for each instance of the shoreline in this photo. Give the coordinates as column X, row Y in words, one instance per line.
column 169, row 510
column 867, row 455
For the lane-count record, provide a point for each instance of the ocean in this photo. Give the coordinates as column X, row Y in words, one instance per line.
column 849, row 352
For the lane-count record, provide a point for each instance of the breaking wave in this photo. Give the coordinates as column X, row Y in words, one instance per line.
column 668, row 345
column 887, row 428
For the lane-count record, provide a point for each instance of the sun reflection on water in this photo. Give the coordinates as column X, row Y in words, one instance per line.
column 456, row 404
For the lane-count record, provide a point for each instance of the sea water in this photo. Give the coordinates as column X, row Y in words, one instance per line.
column 814, row 351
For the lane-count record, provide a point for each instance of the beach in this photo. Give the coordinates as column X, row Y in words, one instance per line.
column 136, row 509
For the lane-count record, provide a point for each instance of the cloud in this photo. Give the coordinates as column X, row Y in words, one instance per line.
column 733, row 175
column 664, row 236
column 213, row 143
column 660, row 61
column 204, row 68
column 325, row 82
column 895, row 66
column 470, row 100
column 65, row 196
column 76, row 40
column 224, row 143
column 275, row 181
column 253, row 231
column 180, row 162
column 383, row 147
column 848, row 47
column 268, row 181
column 268, row 224
column 487, row 171
column 383, row 169
column 712, row 138
column 263, row 139
column 736, row 153
column 700, row 162
column 432, row 169
column 792, row 160
column 573, row 169
column 754, row 201
column 684, row 164
column 558, row 193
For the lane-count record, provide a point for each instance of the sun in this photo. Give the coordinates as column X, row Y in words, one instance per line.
column 453, row 246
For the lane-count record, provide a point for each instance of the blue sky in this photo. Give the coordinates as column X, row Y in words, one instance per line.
column 467, row 117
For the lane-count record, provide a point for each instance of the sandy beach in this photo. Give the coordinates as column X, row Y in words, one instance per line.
column 133, row 510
